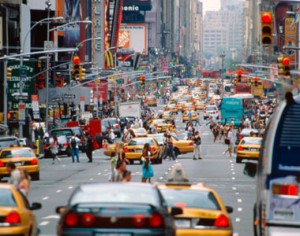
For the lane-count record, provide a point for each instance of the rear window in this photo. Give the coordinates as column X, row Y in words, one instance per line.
column 135, row 142
column 16, row 153
column 158, row 122
column 6, row 198
column 139, row 131
column 254, row 141
column 151, row 98
column 210, row 108
column 67, row 132
column 10, row 142
column 190, row 198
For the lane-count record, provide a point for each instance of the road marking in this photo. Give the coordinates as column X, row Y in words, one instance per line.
column 70, row 187
column 105, row 170
column 51, row 217
column 91, row 179
column 235, row 234
column 44, row 223
column 240, row 209
column 233, row 188
column 58, row 191
column 231, row 161
column 45, row 198
column 161, row 178
column 99, row 174
column 237, row 193
column 63, row 165
column 233, row 173
column 237, row 220
column 233, row 178
column 166, row 173
column 239, row 200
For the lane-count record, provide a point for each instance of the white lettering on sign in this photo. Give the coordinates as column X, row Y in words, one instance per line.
column 131, row 8
column 98, row 19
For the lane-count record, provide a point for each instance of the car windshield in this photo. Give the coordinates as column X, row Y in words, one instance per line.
column 66, row 132
column 8, row 142
column 151, row 98
column 77, row 131
column 136, row 142
column 113, row 121
column 7, row 198
column 190, row 198
column 16, row 153
column 158, row 122
column 139, row 131
column 159, row 138
column 105, row 123
column 255, row 141
column 246, row 132
column 210, row 108
column 115, row 194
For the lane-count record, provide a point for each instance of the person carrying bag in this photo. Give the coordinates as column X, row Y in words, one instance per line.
column 147, row 169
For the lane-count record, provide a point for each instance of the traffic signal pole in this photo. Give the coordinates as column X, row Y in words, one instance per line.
column 5, row 94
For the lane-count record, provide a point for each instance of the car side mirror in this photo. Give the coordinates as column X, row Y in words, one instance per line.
column 229, row 209
column 176, row 211
column 250, row 169
column 35, row 206
column 60, row 209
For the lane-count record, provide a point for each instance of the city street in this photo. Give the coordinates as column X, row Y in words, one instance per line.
column 215, row 170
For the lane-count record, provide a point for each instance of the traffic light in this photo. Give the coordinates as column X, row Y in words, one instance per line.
column 81, row 73
column 13, row 116
column 239, row 76
column 8, row 73
column 266, row 28
column 283, row 64
column 255, row 81
column 76, row 68
column 142, row 80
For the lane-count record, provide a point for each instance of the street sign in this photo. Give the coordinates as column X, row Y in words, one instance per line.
column 35, row 106
column 69, row 96
column 56, row 99
column 22, row 108
column 48, row 45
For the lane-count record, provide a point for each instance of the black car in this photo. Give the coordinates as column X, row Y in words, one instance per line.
column 116, row 209
column 63, row 146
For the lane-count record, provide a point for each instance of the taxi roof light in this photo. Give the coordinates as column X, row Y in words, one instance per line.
column 178, row 176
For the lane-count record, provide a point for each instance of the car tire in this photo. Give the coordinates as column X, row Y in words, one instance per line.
column 35, row 176
column 119, row 135
column 238, row 159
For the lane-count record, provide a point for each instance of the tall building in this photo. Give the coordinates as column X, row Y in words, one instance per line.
column 223, row 29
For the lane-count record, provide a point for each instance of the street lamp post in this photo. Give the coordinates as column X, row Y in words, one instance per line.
column 222, row 56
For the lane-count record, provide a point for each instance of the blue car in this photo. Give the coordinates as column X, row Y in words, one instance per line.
column 118, row 209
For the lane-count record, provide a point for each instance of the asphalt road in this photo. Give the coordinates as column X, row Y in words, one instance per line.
column 214, row 169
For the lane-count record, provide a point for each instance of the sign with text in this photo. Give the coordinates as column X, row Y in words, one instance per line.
column 22, row 108
column 35, row 106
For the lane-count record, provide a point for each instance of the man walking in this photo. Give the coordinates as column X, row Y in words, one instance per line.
column 15, row 175
column 89, row 147
column 74, row 141
column 197, row 143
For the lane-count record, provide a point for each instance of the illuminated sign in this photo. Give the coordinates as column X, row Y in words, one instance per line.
column 98, row 32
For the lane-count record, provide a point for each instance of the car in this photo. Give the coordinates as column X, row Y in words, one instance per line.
column 64, row 147
column 245, row 133
column 172, row 108
column 161, row 125
column 180, row 146
column 139, row 132
column 9, row 141
column 150, row 100
column 210, row 110
column 248, row 148
column 23, row 158
column 204, row 212
column 188, row 107
column 200, row 105
column 16, row 216
column 115, row 124
column 167, row 115
column 133, row 149
column 116, row 209
column 185, row 116
column 105, row 127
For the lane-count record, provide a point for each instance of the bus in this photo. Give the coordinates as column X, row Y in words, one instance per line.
column 235, row 107
column 277, row 206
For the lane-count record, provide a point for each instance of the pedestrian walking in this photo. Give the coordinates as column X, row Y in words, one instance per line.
column 74, row 144
column 14, row 174
column 112, row 136
column 24, row 184
column 147, row 169
column 89, row 147
column 229, row 142
column 53, row 147
column 215, row 131
column 198, row 120
column 169, row 148
column 99, row 140
column 197, row 143
column 118, row 174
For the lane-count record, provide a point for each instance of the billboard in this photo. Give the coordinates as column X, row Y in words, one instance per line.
column 134, row 36
column 290, row 38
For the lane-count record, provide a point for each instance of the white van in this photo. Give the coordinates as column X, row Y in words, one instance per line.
column 277, row 207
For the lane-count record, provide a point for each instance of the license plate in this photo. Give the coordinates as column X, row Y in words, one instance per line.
column 253, row 149
column 283, row 214
column 138, row 150
column 183, row 223
column 18, row 163
column 112, row 234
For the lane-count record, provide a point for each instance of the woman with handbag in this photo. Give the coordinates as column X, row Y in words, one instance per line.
column 229, row 142
column 53, row 147
column 147, row 169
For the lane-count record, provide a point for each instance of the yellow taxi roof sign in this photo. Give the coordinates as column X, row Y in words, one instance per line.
column 178, row 176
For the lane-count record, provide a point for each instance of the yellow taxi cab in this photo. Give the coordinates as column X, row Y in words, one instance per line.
column 139, row 132
column 16, row 216
column 161, row 125
column 204, row 212
column 167, row 115
column 188, row 106
column 180, row 146
column 151, row 100
column 200, row 105
column 171, row 107
column 23, row 158
column 248, row 149
column 179, row 105
column 185, row 116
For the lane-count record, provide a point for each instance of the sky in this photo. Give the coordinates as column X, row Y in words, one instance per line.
column 211, row 5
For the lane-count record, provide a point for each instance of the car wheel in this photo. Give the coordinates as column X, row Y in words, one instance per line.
column 119, row 135
column 238, row 160
column 35, row 176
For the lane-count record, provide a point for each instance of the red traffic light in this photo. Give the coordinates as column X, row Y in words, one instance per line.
column 266, row 17
column 76, row 60
column 143, row 77
column 256, row 79
column 239, row 72
column 286, row 61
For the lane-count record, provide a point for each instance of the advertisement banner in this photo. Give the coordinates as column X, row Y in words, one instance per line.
column 134, row 36
column 102, row 89
column 290, row 38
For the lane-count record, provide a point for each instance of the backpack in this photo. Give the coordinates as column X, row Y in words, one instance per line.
column 198, row 142
column 73, row 143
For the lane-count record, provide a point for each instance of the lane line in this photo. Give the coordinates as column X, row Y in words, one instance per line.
column 237, row 220
column 70, row 187
column 45, row 198
column 240, row 209
column 233, row 188
column 58, row 191
column 44, row 223
column 91, row 179
column 239, row 200
column 233, row 178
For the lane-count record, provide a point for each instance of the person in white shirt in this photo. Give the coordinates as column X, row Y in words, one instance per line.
column 229, row 136
column 74, row 143
column 141, row 122
column 112, row 135
column 15, row 174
